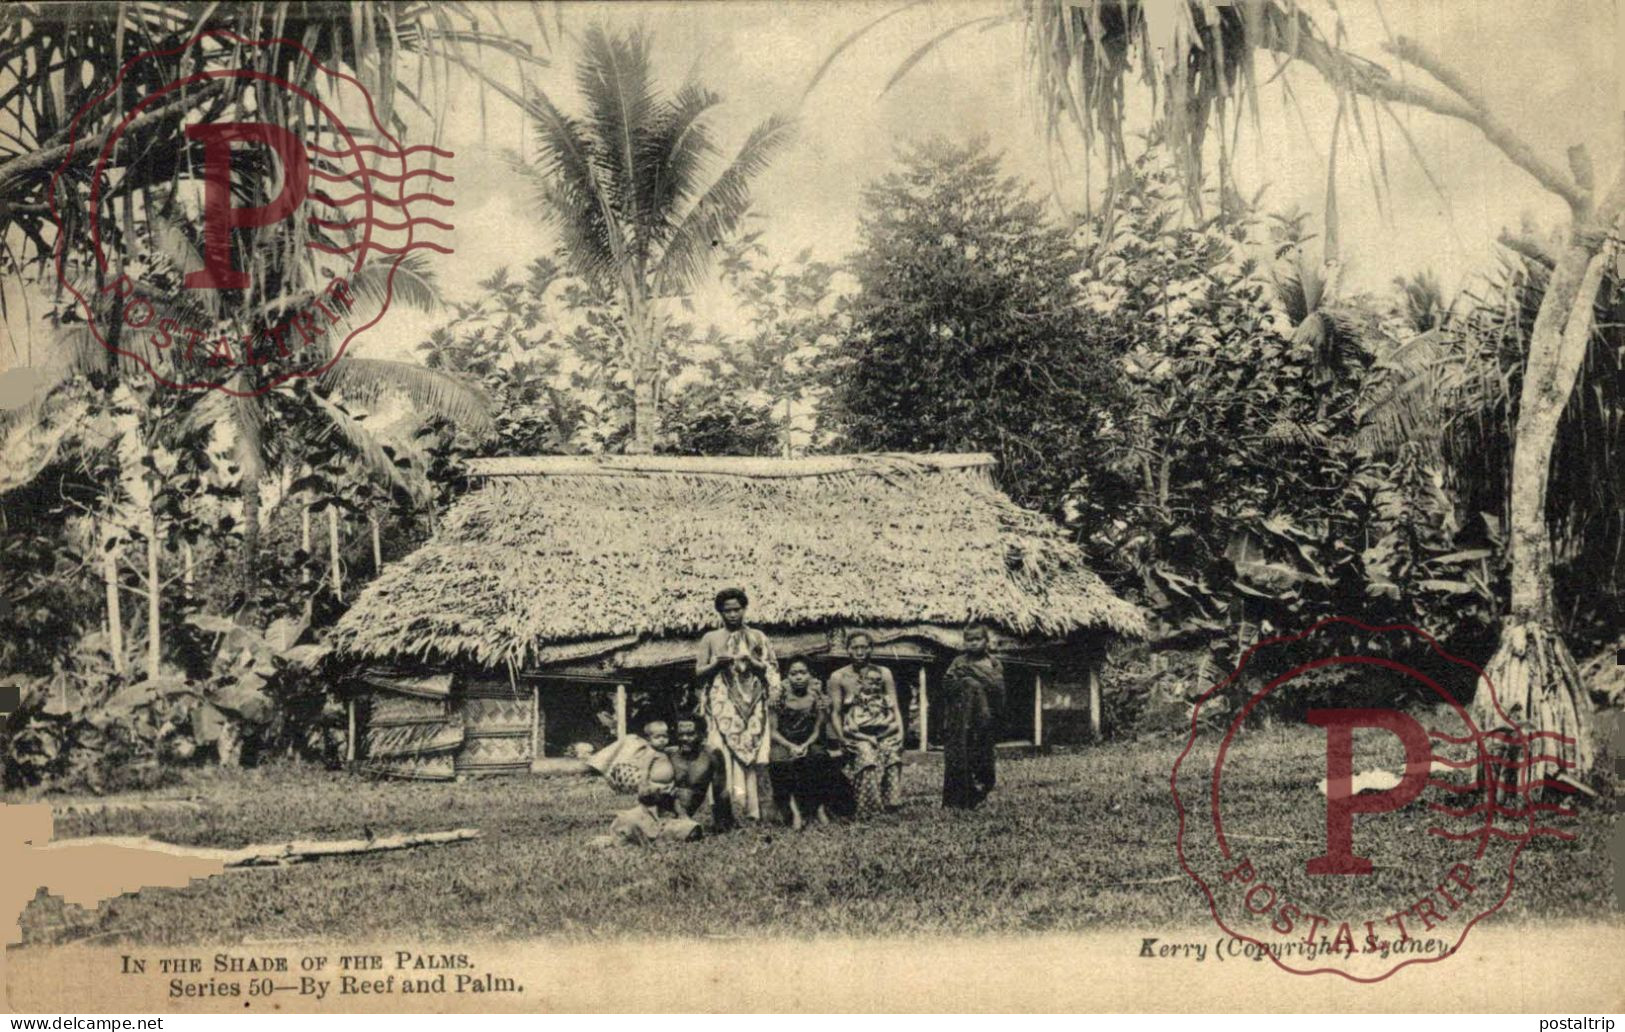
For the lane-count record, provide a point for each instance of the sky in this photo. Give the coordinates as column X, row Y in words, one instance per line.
column 1549, row 75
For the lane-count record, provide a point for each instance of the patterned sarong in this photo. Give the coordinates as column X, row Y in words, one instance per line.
column 736, row 703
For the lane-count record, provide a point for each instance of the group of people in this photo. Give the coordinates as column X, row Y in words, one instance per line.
column 766, row 744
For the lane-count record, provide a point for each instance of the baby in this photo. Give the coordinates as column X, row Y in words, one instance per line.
column 656, row 816
column 660, row 777
column 625, row 762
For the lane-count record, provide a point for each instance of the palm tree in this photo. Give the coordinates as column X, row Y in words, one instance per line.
column 1201, row 54
column 1199, row 57
column 1454, row 386
column 623, row 184
column 58, row 57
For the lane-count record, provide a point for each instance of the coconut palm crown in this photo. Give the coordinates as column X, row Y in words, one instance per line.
column 625, row 184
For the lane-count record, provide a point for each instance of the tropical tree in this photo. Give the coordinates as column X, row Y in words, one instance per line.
column 1451, row 388
column 542, row 345
column 261, row 418
column 1200, row 56
column 796, row 318
column 624, row 183
column 59, row 58
column 967, row 333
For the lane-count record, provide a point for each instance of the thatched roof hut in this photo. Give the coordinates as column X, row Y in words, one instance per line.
column 602, row 567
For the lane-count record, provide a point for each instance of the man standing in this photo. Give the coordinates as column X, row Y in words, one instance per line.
column 974, row 686
column 738, row 675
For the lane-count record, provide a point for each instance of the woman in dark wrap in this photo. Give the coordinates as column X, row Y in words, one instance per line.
column 974, row 685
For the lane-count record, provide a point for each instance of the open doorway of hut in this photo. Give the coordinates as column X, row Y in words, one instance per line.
column 915, row 734
column 1018, row 722
column 576, row 715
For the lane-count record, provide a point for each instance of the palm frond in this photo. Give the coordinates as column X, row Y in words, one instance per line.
column 371, row 452
column 1418, row 387
column 615, row 80
column 173, row 243
column 720, row 208
column 572, row 197
column 431, row 391
column 1423, row 300
column 676, row 148
column 1292, row 433
column 249, row 442
column 851, row 40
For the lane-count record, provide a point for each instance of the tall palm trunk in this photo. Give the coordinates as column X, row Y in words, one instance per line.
column 305, row 547
column 643, row 341
column 1536, row 682
column 155, row 636
column 248, row 560
column 333, row 551
column 115, row 619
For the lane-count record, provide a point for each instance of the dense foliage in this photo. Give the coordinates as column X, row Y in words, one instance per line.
column 1239, row 450
column 1248, row 491
column 967, row 333
column 628, row 184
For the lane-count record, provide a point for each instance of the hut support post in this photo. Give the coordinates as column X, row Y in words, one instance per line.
column 1094, row 701
column 925, row 712
column 620, row 711
column 1038, row 708
column 535, row 720
column 349, row 738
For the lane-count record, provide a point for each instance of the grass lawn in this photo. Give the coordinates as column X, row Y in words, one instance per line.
column 1071, row 841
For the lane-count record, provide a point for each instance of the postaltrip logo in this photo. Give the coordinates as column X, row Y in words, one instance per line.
column 1395, row 820
column 251, row 241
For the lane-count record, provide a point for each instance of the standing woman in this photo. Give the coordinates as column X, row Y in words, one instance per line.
column 801, row 767
column 738, row 675
column 974, row 685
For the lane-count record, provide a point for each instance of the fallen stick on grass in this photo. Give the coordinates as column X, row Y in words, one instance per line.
column 273, row 854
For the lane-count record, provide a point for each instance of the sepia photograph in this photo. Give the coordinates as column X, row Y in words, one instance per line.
column 861, row 507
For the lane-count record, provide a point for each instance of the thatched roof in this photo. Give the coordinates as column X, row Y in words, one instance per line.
column 561, row 557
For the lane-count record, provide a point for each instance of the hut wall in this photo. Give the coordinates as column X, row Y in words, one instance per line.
column 413, row 729
column 497, row 724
